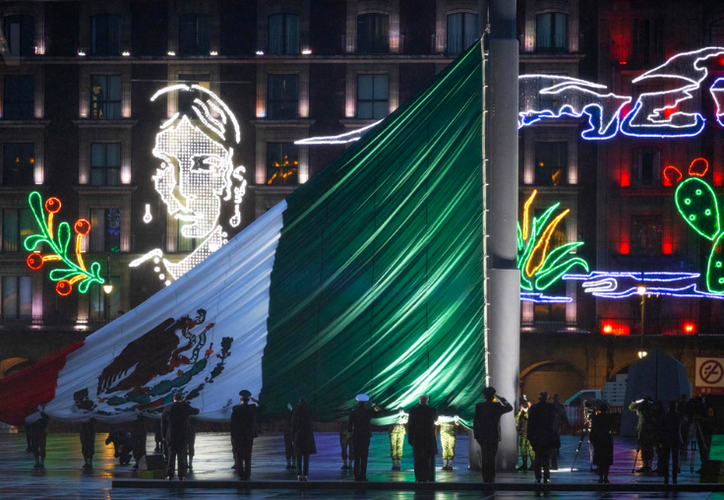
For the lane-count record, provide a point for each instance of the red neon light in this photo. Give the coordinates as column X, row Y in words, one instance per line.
column 718, row 178
column 721, row 60
column 625, row 177
column 689, row 327
column 672, row 175
column 669, row 111
column 622, row 63
column 82, row 226
column 699, row 167
column 624, row 248
column 667, row 248
column 53, row 205
column 612, row 328
column 64, row 288
column 34, row 261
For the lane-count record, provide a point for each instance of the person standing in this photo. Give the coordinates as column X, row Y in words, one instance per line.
column 360, row 425
column 448, row 438
column 543, row 436
column 397, row 438
column 175, row 426
column 602, row 440
column 88, row 441
column 670, row 442
column 38, row 432
column 421, row 436
column 303, row 439
column 646, row 430
column 157, row 436
column 345, row 442
column 288, row 447
column 138, row 440
column 243, row 431
column 526, row 450
column 486, row 430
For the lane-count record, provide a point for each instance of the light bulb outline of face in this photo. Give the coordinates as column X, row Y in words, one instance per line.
column 194, row 174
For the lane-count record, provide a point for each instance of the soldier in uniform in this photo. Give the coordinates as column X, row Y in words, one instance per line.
column 448, row 431
column 38, row 437
column 121, row 440
column 158, row 436
column 175, row 428
column 138, row 440
column 397, row 438
column 288, row 447
column 88, row 442
column 360, row 425
column 543, row 436
column 345, row 441
column 526, row 450
column 421, row 436
column 243, row 431
column 486, row 430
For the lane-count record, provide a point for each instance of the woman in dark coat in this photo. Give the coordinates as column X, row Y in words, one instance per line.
column 303, row 439
column 602, row 440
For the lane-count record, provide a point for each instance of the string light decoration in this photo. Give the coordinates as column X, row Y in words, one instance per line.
column 541, row 265
column 197, row 177
column 57, row 242
column 625, row 284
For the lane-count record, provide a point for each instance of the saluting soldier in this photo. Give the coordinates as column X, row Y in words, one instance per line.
column 243, row 431
column 360, row 425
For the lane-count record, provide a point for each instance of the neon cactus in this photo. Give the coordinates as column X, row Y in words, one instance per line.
column 696, row 201
column 540, row 265
column 73, row 272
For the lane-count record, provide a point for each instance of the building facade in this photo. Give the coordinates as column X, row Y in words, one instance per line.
column 78, row 123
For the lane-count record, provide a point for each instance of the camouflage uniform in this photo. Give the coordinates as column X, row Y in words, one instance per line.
column 448, row 438
column 526, row 450
column 345, row 441
column 397, row 438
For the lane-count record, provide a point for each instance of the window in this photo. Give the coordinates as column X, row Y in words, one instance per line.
column 186, row 99
column 282, row 164
column 373, row 101
column 105, row 164
column 551, row 163
column 102, row 305
column 18, row 163
column 284, row 34
column 105, row 97
column 193, row 35
column 552, row 32
column 282, row 97
column 106, row 35
column 553, row 313
column 462, row 31
column 184, row 244
column 17, row 225
column 19, row 97
column 19, row 33
column 17, row 297
column 373, row 34
column 648, row 42
column 646, row 231
column 105, row 235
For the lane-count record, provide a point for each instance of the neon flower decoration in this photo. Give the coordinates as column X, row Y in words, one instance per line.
column 73, row 272
column 540, row 265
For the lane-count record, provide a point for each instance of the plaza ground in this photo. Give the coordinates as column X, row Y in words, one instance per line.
column 64, row 478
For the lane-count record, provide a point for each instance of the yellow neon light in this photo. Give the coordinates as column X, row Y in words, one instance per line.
column 525, row 213
column 544, row 242
column 51, row 257
column 50, row 225
column 77, row 278
column 78, row 256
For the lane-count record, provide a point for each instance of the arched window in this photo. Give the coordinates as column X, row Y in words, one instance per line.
column 552, row 32
column 106, row 35
column 373, row 34
column 284, row 34
column 193, row 35
column 20, row 30
column 462, row 31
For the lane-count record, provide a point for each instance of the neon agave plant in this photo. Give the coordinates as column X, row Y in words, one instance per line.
column 540, row 265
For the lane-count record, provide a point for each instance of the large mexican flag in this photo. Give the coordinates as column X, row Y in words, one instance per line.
column 368, row 278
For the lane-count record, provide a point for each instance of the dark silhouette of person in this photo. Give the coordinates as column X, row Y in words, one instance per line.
column 421, row 436
column 175, row 431
column 138, row 440
column 38, row 432
column 121, row 440
column 543, row 435
column 486, row 430
column 670, row 442
column 243, row 431
column 360, row 425
column 88, row 442
column 602, row 441
column 303, row 438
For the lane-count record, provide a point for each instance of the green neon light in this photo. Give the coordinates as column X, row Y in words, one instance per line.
column 697, row 204
column 556, row 261
column 58, row 242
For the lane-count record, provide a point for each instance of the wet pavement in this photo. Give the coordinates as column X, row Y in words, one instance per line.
column 64, row 478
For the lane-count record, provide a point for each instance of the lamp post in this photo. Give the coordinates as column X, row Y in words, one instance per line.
column 642, row 291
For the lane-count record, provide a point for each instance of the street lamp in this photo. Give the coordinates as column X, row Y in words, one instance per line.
column 642, row 291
